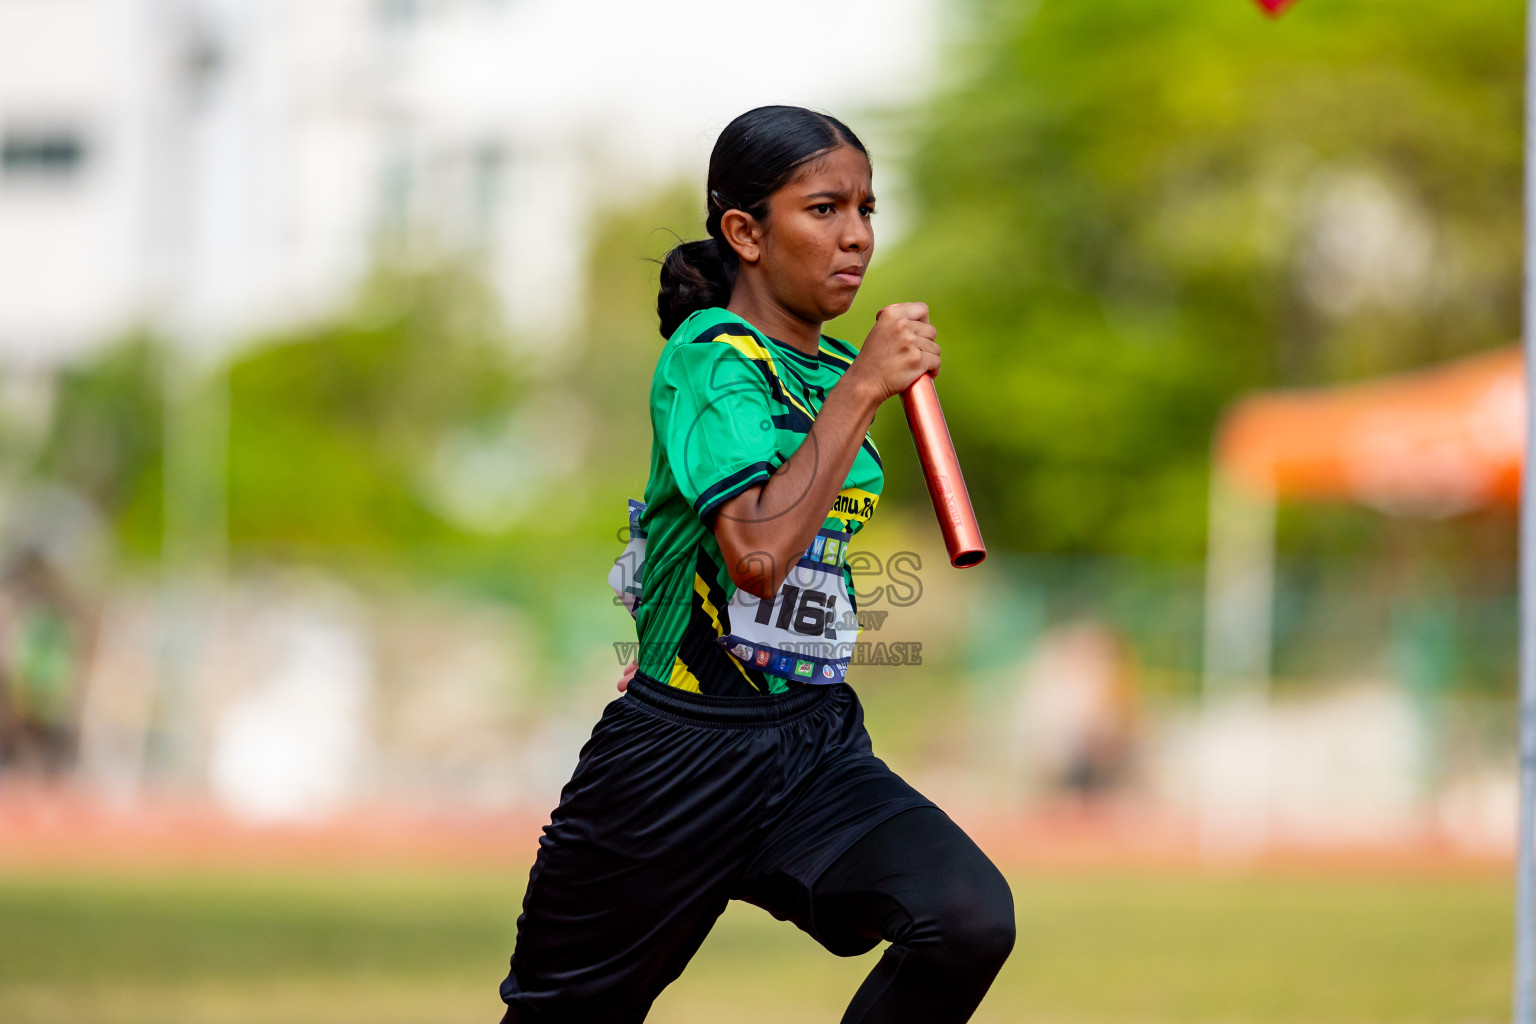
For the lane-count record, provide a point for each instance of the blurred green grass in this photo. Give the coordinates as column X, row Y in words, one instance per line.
column 1127, row 947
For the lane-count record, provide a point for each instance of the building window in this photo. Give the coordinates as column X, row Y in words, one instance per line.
column 41, row 153
column 397, row 12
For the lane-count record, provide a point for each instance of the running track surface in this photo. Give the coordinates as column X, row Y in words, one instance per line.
column 59, row 828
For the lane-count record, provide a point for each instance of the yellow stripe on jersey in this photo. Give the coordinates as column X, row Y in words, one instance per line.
column 702, row 589
column 754, row 349
column 854, row 503
column 849, row 362
column 682, row 677
column 837, row 355
column 748, row 346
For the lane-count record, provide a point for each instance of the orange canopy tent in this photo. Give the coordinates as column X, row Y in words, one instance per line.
column 1435, row 441
column 1432, row 442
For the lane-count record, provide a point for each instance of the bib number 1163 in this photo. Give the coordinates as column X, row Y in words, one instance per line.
column 803, row 611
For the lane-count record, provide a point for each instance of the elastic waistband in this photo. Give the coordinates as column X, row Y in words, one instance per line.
column 728, row 711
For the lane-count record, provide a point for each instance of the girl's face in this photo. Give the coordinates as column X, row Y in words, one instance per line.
column 817, row 240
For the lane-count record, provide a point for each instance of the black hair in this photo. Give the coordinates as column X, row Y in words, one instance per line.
column 757, row 154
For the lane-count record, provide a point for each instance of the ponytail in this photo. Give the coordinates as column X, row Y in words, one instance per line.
column 755, row 156
column 694, row 276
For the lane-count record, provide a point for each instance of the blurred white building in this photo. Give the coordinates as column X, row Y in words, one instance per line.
column 215, row 168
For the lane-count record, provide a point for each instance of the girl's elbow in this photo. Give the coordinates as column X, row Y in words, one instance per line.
column 754, row 573
column 757, row 586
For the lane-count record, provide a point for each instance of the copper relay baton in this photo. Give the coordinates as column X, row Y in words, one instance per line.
column 941, row 470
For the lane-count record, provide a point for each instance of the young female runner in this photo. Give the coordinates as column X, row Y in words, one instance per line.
column 736, row 765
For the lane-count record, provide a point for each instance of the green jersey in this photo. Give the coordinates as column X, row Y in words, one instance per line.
column 729, row 405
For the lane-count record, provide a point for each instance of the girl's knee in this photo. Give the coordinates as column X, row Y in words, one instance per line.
column 976, row 920
column 992, row 930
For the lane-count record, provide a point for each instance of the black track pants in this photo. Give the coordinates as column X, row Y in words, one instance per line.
column 919, row 882
column 682, row 802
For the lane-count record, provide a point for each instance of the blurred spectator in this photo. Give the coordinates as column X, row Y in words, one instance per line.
column 44, row 632
column 1075, row 717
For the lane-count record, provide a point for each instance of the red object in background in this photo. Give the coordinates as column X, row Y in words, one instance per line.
column 1274, row 7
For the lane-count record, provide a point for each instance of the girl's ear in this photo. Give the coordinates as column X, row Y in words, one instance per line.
column 743, row 233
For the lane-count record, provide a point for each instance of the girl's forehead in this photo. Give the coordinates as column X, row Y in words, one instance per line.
column 840, row 169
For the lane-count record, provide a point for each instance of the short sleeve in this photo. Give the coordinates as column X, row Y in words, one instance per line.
column 714, row 414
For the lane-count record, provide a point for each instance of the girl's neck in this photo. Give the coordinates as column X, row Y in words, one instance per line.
column 770, row 317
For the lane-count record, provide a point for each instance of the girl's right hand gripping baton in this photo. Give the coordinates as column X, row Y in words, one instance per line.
column 941, row 468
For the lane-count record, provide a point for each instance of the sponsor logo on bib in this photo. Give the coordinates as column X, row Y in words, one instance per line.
column 803, row 668
column 854, row 503
column 826, row 670
column 742, row 651
column 762, row 657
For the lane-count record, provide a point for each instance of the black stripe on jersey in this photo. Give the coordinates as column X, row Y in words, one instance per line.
column 731, row 486
column 839, row 349
column 775, row 385
column 726, row 328
column 809, row 362
column 706, row 569
column 716, row 669
column 806, row 386
column 793, row 419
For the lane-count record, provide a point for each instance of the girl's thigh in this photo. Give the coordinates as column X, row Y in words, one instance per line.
column 650, row 835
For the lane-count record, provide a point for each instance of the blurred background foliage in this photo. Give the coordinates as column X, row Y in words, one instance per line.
column 1122, row 216
column 334, row 434
column 1126, row 214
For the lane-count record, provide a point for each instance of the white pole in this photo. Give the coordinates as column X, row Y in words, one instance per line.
column 1525, row 866
column 1233, row 812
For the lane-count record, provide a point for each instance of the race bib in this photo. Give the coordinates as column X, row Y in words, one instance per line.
column 624, row 577
column 805, row 632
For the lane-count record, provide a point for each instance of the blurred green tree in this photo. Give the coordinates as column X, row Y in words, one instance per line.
column 106, row 438
column 1123, row 215
column 1126, row 213
column 335, row 433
